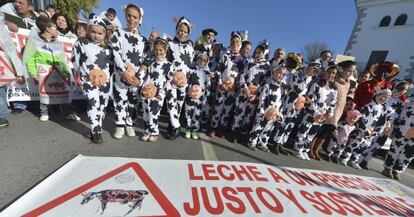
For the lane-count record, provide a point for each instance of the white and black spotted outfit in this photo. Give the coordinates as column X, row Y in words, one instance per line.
column 196, row 111
column 322, row 97
column 394, row 107
column 401, row 152
column 181, row 55
column 156, row 74
column 254, row 74
column 298, row 86
column 87, row 56
column 270, row 96
column 131, row 46
column 229, row 66
column 374, row 116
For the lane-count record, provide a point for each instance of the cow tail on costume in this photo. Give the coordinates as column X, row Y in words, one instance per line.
column 322, row 97
column 95, row 62
column 181, row 55
column 253, row 78
column 228, row 70
column 401, row 152
column 156, row 75
column 131, row 47
column 270, row 97
column 199, row 86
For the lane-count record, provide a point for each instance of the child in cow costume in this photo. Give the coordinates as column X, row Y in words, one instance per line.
column 131, row 46
column 268, row 111
column 322, row 99
column 152, row 89
column 298, row 87
column 181, row 54
column 94, row 60
column 394, row 107
column 199, row 85
column 253, row 78
column 228, row 72
column 401, row 152
column 371, row 125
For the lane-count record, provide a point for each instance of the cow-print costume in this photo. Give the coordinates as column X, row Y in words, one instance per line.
column 401, row 152
column 181, row 55
column 156, row 74
column 374, row 116
column 393, row 107
column 337, row 144
column 322, row 97
column 229, row 66
column 86, row 56
column 254, row 74
column 271, row 95
column 131, row 46
column 299, row 85
column 196, row 110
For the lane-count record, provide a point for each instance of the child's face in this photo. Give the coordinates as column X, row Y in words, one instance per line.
column 311, row 71
column 159, row 51
column 110, row 16
column 245, row 51
column 258, row 53
column 51, row 11
column 330, row 74
column 132, row 17
column 382, row 98
column 402, row 91
column 97, row 33
column 345, row 73
column 235, row 44
column 349, row 105
column 202, row 61
column 53, row 31
column 350, row 120
column 363, row 77
column 279, row 74
column 81, row 32
column 182, row 32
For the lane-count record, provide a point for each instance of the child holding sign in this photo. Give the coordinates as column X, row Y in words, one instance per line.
column 45, row 60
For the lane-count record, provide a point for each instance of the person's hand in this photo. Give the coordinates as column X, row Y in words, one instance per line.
column 272, row 113
column 20, row 80
column 98, row 77
column 179, row 78
column 246, row 92
column 11, row 26
column 142, row 69
column 149, row 91
column 252, row 98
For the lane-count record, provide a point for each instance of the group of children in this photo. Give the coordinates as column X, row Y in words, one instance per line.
column 224, row 90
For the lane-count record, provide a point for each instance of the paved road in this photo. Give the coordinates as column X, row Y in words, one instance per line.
column 30, row 150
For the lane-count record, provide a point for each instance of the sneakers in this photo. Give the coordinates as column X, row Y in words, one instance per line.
column 299, row 155
column 343, row 162
column 152, row 138
column 395, row 175
column 119, row 132
column 130, row 131
column 364, row 165
column 73, row 117
column 145, row 137
column 96, row 138
column 388, row 173
column 251, row 146
column 187, row 134
column 3, row 123
column 174, row 133
column 263, row 148
column 355, row 165
column 194, row 134
column 44, row 118
column 306, row 156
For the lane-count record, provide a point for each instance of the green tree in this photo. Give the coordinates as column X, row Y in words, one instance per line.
column 71, row 9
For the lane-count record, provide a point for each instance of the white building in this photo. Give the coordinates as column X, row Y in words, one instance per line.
column 384, row 30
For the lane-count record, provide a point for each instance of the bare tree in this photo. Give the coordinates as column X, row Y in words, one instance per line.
column 312, row 50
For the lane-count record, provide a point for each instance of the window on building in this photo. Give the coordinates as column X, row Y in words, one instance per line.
column 376, row 56
column 401, row 20
column 385, row 21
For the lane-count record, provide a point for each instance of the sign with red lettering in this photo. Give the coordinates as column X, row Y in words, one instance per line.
column 6, row 71
column 203, row 188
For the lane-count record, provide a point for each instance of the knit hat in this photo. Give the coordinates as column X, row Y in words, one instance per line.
column 206, row 31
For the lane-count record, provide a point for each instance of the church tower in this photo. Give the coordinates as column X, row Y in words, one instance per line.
column 384, row 30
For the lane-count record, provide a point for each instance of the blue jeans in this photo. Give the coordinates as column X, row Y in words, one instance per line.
column 19, row 105
column 3, row 103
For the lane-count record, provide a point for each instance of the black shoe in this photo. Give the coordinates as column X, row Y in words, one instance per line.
column 174, row 133
column 274, row 149
column 335, row 160
column 364, row 165
column 395, row 175
column 96, row 138
column 3, row 123
column 17, row 111
column 282, row 150
column 231, row 137
column 326, row 157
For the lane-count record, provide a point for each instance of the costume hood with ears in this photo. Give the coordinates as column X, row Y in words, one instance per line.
column 162, row 40
column 379, row 90
column 293, row 61
column 384, row 70
column 235, row 34
column 264, row 46
column 96, row 21
column 185, row 21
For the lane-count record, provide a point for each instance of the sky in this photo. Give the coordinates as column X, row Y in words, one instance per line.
column 290, row 24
